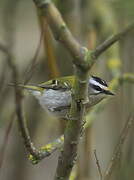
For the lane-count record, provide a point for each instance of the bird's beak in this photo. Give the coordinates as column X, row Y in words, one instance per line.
column 108, row 92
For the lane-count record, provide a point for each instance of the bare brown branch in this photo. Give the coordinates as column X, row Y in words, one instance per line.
column 37, row 155
column 61, row 32
column 98, row 164
column 49, row 49
column 30, row 70
column 5, row 141
column 116, row 155
column 110, row 41
column 4, row 49
column 47, row 150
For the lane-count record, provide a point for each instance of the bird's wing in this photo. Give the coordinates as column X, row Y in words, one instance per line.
column 61, row 108
column 62, row 83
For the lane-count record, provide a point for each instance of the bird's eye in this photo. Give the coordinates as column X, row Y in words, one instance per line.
column 97, row 88
column 55, row 81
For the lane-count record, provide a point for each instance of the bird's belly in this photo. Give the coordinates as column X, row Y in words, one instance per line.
column 59, row 102
column 55, row 101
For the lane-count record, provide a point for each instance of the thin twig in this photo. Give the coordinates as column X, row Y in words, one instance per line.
column 30, row 69
column 18, row 101
column 98, row 164
column 2, row 80
column 4, row 49
column 5, row 141
column 49, row 49
column 35, row 155
column 61, row 31
column 47, row 150
column 110, row 41
column 118, row 149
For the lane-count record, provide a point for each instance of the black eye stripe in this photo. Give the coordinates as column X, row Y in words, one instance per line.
column 55, row 81
column 102, row 82
column 97, row 88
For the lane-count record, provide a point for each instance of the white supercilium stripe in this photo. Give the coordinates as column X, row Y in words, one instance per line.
column 92, row 81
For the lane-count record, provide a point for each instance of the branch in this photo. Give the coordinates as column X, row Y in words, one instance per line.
column 73, row 131
column 19, row 110
column 49, row 48
column 30, row 69
column 127, row 77
column 18, row 100
column 3, row 77
column 5, row 141
column 47, row 150
column 4, row 49
column 116, row 155
column 83, row 60
column 98, row 164
column 79, row 97
column 110, row 41
column 61, row 32
column 35, row 155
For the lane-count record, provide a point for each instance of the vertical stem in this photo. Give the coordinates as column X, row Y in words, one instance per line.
column 74, row 127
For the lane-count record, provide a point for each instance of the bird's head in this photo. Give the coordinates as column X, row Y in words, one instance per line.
column 98, row 90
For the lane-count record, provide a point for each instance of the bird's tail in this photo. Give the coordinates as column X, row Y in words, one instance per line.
column 28, row 87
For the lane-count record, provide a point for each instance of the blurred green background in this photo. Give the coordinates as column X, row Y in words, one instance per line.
column 91, row 22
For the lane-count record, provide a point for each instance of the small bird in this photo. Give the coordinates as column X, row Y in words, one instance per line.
column 55, row 95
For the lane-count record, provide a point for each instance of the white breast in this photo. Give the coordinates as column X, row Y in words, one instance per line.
column 51, row 99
